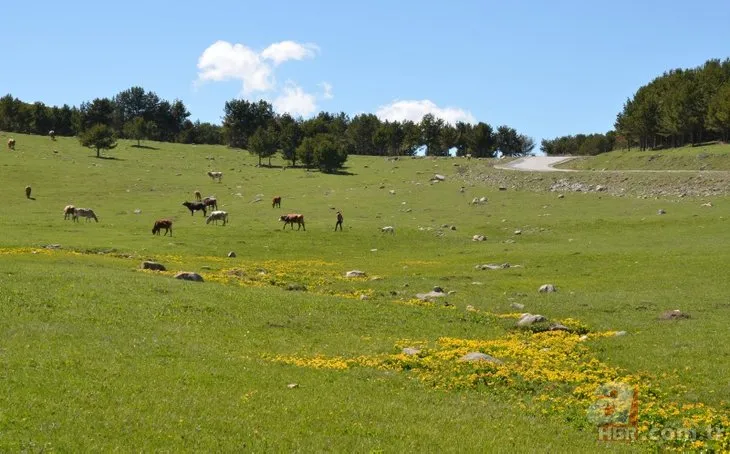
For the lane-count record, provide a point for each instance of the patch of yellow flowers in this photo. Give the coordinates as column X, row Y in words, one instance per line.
column 556, row 368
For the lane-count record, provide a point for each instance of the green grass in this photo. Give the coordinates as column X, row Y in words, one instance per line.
column 97, row 355
column 702, row 157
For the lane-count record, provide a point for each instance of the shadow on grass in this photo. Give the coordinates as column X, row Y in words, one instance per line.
column 109, row 158
column 144, row 147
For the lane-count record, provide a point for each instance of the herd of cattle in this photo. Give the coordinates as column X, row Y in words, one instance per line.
column 200, row 204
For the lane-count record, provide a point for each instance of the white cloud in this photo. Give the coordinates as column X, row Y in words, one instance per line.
column 223, row 61
column 289, row 50
column 295, row 101
column 326, row 90
column 415, row 110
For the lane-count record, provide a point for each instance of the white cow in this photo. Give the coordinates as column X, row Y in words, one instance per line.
column 218, row 216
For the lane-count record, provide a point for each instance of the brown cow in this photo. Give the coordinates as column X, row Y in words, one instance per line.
column 291, row 219
column 162, row 224
column 210, row 202
column 276, row 202
column 11, row 144
column 198, row 196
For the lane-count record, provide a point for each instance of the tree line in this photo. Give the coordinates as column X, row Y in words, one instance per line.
column 323, row 141
column 680, row 107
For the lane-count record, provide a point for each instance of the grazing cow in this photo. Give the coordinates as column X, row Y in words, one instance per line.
column 210, row 202
column 388, row 229
column 195, row 206
column 11, row 144
column 197, row 195
column 69, row 211
column 162, row 224
column 276, row 202
column 291, row 219
column 87, row 213
column 216, row 176
column 218, row 216
column 27, row 192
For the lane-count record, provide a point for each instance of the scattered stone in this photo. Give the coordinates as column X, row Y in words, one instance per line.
column 479, row 356
column 430, row 296
column 558, row 327
column 52, row 246
column 518, row 232
column 676, row 314
column 503, row 188
column 517, row 306
column 561, row 196
column 411, row 351
column 530, row 319
column 137, row 211
column 491, row 266
column 478, row 238
column 547, row 288
column 708, row 204
column 470, row 308
column 232, row 254
column 376, row 278
column 620, row 333
column 296, row 287
column 438, row 177
column 392, row 192
column 438, row 289
column 355, row 273
column 462, row 189
column 661, row 212
column 292, row 385
column 150, row 265
column 453, row 227
column 600, row 188
column 364, row 297
column 583, row 338
column 373, row 250
column 451, row 292
column 189, row 276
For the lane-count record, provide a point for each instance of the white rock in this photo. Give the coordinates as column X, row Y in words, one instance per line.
column 355, row 273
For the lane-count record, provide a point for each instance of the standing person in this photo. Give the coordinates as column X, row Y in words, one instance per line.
column 339, row 221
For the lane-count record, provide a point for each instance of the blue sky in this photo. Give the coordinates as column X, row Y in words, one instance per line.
column 544, row 68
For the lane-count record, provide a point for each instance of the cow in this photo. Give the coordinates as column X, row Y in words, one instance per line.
column 195, row 206
column 69, row 211
column 276, row 202
column 291, row 219
column 216, row 176
column 11, row 144
column 197, row 195
column 218, row 216
column 87, row 213
column 210, row 202
column 27, row 192
column 52, row 133
column 162, row 224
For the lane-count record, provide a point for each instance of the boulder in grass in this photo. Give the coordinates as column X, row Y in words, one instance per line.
column 189, row 276
column 547, row 288
column 150, row 265
column 479, row 356
column 530, row 319
column 355, row 273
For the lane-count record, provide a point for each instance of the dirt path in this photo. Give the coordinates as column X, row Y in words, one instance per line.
column 537, row 164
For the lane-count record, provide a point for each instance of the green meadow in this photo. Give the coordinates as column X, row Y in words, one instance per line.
column 278, row 351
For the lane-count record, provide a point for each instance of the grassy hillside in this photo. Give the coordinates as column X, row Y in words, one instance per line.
column 277, row 350
column 703, row 157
